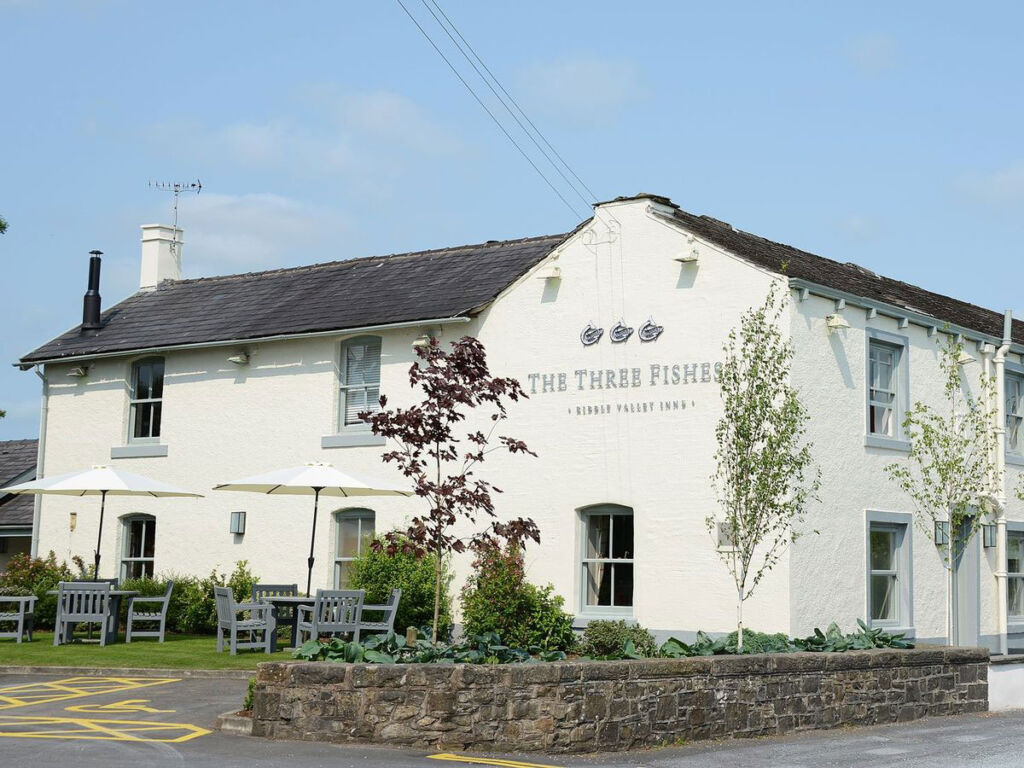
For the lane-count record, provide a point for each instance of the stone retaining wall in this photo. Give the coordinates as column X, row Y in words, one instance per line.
column 590, row 706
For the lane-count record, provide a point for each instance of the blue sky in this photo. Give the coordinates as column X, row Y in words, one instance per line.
column 880, row 133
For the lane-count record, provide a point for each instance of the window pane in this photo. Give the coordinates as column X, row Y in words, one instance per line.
column 883, row 550
column 348, row 537
column 622, row 536
column 623, row 583
column 142, row 413
column 598, row 577
column 154, row 430
column 149, row 538
column 883, row 598
column 362, row 363
column 597, row 535
column 881, row 420
column 157, row 378
column 342, row 573
column 135, row 538
column 1015, row 595
column 1014, row 550
column 355, row 403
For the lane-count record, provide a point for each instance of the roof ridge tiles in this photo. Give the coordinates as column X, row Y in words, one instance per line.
column 447, row 250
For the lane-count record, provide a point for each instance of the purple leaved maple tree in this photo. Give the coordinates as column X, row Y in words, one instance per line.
column 441, row 460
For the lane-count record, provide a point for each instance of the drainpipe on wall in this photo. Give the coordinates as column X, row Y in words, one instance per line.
column 37, row 506
column 1000, row 484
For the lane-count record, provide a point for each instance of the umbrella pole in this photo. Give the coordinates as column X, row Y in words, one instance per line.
column 99, row 537
column 312, row 540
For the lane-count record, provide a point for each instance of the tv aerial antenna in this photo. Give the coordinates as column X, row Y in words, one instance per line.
column 176, row 187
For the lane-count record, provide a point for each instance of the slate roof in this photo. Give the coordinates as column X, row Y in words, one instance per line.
column 847, row 277
column 16, row 458
column 356, row 293
column 425, row 285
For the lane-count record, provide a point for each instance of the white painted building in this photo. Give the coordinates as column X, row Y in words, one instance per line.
column 196, row 382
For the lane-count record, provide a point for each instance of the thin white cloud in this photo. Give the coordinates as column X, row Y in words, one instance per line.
column 241, row 233
column 1000, row 190
column 582, row 89
column 857, row 228
column 367, row 140
column 872, row 54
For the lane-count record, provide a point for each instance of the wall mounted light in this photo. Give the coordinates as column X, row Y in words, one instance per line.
column 941, row 533
column 988, row 536
column 422, row 341
column 964, row 358
column 73, row 521
column 689, row 258
column 238, row 523
column 549, row 273
column 835, row 322
column 79, row 372
column 242, row 358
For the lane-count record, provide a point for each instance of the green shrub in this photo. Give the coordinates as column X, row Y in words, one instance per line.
column 36, row 575
column 249, row 695
column 192, row 609
column 378, row 574
column 498, row 598
column 608, row 639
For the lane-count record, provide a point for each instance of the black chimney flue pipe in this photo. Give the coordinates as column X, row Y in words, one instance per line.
column 91, row 302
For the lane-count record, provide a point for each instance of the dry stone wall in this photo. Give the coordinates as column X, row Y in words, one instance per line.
column 592, row 706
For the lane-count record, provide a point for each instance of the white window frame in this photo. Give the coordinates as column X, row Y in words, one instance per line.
column 900, row 345
column 585, row 514
column 901, row 523
column 344, row 387
column 1013, row 530
column 1014, row 375
column 126, row 533
column 134, row 402
column 361, row 514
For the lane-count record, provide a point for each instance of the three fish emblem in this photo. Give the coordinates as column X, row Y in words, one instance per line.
column 620, row 333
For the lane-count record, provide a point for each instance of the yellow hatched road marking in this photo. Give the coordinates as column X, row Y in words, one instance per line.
column 24, row 727
column 17, row 696
column 128, row 705
column 488, row 761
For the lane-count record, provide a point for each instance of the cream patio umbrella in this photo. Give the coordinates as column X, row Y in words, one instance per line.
column 315, row 479
column 99, row 481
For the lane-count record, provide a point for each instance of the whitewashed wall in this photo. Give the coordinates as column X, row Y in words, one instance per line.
column 828, row 576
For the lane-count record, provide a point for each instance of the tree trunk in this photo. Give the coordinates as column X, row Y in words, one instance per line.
column 437, row 593
column 739, row 620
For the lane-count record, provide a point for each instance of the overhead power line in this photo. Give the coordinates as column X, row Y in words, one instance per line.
column 593, row 197
column 487, row 81
column 489, row 112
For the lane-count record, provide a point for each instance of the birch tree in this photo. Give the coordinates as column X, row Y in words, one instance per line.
column 951, row 466
column 765, row 475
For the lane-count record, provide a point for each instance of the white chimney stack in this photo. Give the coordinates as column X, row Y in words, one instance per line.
column 161, row 255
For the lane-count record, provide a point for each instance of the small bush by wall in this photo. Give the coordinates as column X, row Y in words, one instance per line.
column 378, row 574
column 498, row 598
column 26, row 575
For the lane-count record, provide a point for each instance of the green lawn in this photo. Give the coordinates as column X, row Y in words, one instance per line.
column 177, row 652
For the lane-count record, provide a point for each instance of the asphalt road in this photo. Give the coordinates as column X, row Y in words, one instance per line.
column 90, row 721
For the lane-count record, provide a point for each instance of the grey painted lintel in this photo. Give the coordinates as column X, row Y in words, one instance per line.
column 142, row 451
column 352, row 440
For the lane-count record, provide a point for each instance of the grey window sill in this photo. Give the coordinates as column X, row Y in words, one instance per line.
column 1015, row 459
column 351, row 440
column 889, row 443
column 581, row 620
column 141, row 451
column 907, row 632
column 1015, row 627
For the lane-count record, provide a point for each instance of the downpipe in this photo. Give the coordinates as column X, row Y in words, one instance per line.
column 37, row 502
column 999, row 486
